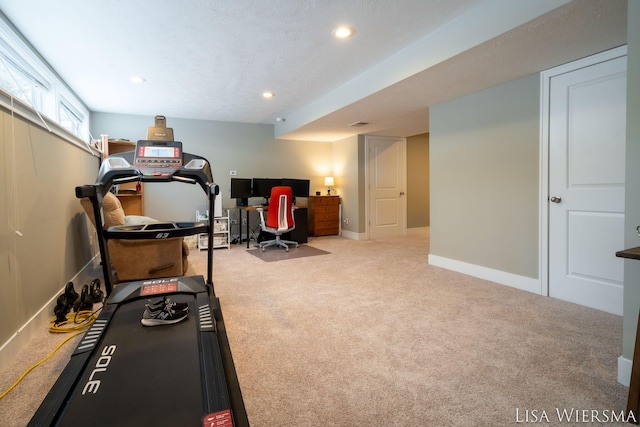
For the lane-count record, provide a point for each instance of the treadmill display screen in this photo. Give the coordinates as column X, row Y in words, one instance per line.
column 158, row 159
column 158, row 288
column 165, row 152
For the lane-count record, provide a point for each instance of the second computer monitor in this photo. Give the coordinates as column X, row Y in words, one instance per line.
column 262, row 186
column 241, row 190
column 299, row 187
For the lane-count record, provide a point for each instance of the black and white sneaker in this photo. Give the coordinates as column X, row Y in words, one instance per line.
column 165, row 315
column 161, row 303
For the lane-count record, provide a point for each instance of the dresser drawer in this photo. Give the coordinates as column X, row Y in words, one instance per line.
column 325, row 216
column 327, row 230
column 321, row 201
column 327, row 209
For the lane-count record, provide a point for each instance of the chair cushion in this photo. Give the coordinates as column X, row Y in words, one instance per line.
column 112, row 211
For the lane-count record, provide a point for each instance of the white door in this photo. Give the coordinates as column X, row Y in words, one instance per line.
column 386, row 176
column 587, row 124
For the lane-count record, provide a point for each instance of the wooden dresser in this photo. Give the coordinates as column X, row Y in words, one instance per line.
column 324, row 215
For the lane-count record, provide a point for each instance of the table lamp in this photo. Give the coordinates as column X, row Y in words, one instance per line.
column 328, row 182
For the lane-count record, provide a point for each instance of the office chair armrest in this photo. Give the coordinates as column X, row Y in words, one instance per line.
column 261, row 212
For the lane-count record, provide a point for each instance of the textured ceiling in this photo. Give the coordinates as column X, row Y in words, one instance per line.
column 212, row 59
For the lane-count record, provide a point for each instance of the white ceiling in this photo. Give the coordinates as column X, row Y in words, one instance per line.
column 212, row 59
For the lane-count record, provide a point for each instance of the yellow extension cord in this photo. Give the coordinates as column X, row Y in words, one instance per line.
column 77, row 322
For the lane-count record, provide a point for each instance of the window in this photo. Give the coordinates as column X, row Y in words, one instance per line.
column 25, row 76
column 19, row 84
column 69, row 118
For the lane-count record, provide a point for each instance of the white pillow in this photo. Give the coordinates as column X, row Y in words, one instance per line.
column 137, row 220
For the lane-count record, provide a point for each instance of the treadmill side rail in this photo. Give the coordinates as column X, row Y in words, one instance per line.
column 54, row 403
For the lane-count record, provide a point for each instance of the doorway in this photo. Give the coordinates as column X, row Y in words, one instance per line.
column 583, row 131
column 386, row 186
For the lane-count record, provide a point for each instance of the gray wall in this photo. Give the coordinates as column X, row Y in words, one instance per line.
column 484, row 151
column 38, row 201
column 484, row 179
column 251, row 151
column 632, row 171
column 418, row 181
column 345, row 171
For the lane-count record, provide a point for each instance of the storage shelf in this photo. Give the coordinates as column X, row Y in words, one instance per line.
column 132, row 201
column 221, row 232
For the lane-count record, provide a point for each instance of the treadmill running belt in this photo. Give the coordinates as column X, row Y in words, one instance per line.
column 135, row 368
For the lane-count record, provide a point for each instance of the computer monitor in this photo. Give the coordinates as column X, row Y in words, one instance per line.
column 241, row 190
column 299, row 187
column 262, row 187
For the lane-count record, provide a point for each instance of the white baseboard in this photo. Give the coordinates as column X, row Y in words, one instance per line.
column 41, row 320
column 513, row 280
column 363, row 236
column 624, row 371
column 353, row 235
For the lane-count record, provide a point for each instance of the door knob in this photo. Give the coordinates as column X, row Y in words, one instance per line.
column 555, row 199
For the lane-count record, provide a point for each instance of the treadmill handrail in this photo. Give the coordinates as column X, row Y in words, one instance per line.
column 156, row 230
column 183, row 179
column 126, row 179
column 119, row 168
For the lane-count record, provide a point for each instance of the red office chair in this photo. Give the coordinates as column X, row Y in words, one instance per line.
column 279, row 218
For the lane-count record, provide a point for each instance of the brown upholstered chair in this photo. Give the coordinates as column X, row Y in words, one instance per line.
column 139, row 259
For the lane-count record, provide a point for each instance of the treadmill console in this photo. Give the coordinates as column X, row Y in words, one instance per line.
column 158, row 158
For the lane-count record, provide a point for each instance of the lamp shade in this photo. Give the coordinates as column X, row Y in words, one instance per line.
column 328, row 181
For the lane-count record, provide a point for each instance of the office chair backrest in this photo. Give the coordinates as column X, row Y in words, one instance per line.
column 280, row 214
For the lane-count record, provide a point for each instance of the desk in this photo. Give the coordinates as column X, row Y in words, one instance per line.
column 300, row 218
column 633, row 401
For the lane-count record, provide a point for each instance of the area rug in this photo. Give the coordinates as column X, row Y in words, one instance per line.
column 279, row 254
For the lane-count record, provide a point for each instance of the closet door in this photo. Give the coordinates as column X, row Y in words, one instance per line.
column 587, row 125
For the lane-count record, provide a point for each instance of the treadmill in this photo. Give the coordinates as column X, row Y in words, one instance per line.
column 125, row 374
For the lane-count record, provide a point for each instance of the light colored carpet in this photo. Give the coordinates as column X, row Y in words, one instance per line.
column 373, row 335
column 17, row 407
column 370, row 334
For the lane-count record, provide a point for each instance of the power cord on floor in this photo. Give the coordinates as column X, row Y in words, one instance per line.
column 77, row 322
column 74, row 321
column 4, row 393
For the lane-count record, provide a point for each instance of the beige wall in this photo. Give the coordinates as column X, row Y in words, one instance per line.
column 44, row 234
column 344, row 156
column 418, row 181
column 348, row 157
column 484, row 163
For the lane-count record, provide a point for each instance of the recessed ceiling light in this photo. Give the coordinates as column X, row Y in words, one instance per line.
column 343, row 32
column 137, row 79
column 268, row 94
